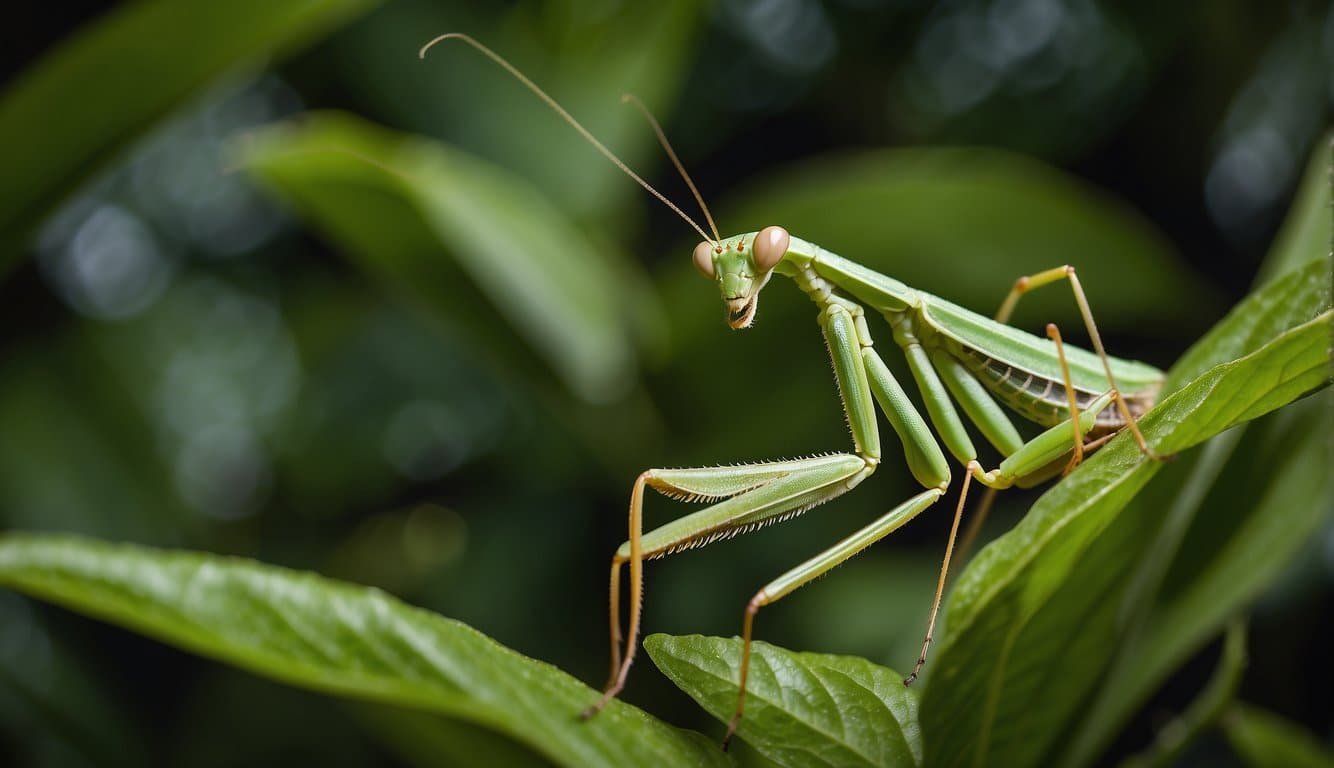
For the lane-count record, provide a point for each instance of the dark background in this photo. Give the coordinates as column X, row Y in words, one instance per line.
column 247, row 390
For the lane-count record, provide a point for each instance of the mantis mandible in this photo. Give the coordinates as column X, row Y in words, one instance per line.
column 955, row 356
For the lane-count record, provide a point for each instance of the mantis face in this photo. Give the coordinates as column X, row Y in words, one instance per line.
column 742, row 265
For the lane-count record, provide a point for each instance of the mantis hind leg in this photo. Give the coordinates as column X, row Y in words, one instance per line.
column 1067, row 272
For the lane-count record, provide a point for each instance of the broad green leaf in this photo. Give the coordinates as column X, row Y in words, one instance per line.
column 73, row 110
column 1213, row 540
column 1032, row 621
column 441, row 226
column 802, row 709
column 1264, row 504
column 1265, row 740
column 341, row 639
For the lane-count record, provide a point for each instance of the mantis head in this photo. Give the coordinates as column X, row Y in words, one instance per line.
column 742, row 265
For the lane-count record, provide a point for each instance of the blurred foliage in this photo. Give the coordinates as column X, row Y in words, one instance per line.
column 1264, row 739
column 362, row 376
column 123, row 74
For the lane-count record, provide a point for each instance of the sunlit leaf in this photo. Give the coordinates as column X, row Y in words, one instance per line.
column 72, row 111
column 802, row 709
column 345, row 640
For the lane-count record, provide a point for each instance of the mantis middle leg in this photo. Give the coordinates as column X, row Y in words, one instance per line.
column 942, row 380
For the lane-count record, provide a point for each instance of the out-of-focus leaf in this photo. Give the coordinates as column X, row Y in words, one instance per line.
column 965, row 223
column 1306, row 231
column 350, row 641
column 440, row 225
column 802, row 709
column 1032, row 621
column 429, row 741
column 1265, row 740
column 84, row 101
column 1174, row 738
column 52, row 695
column 584, row 55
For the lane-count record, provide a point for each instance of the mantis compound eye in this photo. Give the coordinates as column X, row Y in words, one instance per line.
column 770, row 245
column 703, row 258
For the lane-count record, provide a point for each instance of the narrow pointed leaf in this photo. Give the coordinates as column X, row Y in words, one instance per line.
column 802, row 709
column 97, row 91
column 1265, row 740
column 341, row 639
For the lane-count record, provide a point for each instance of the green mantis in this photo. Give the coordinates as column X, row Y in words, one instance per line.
column 966, row 368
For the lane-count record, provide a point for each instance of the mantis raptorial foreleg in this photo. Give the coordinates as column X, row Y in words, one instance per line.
column 761, row 493
column 777, row 490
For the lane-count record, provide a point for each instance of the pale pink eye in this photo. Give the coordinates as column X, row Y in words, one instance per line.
column 703, row 258
column 770, row 246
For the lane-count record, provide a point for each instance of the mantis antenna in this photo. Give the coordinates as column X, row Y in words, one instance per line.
column 630, row 98
column 550, row 102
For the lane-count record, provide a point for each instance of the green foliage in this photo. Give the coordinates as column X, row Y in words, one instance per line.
column 1033, row 619
column 344, row 640
column 524, row 250
column 122, row 74
column 1265, row 740
column 397, row 203
column 802, row 709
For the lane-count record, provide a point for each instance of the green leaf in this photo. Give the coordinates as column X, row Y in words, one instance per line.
column 802, row 709
column 73, row 110
column 586, row 60
column 1175, row 737
column 440, row 225
column 1265, row 740
column 341, row 639
column 1033, row 620
column 1264, row 502
column 1210, row 530
column 1306, row 233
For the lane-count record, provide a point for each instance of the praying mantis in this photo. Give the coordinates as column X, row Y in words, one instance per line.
column 959, row 361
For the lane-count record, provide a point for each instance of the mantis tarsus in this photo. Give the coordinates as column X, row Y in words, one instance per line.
column 955, row 357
